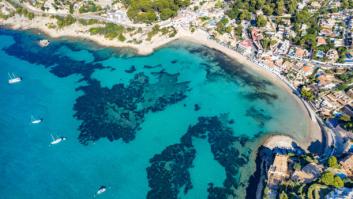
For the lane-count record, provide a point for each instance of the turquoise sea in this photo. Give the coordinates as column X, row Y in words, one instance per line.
column 183, row 122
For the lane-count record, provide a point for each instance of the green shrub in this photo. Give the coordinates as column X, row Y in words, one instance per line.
column 89, row 7
column 65, row 21
column 332, row 162
column 283, row 195
column 109, row 31
column 297, row 166
column 338, row 182
column 88, row 22
column 121, row 38
column 330, row 180
column 24, row 12
column 153, row 32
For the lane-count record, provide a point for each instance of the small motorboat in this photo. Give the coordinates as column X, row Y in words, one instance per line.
column 13, row 79
column 101, row 190
column 36, row 121
column 57, row 140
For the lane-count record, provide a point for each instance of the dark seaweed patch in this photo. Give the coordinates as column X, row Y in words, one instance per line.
column 258, row 115
column 114, row 114
column 167, row 182
column 262, row 95
column 227, row 67
column 150, row 67
column 111, row 113
column 26, row 48
column 197, row 107
column 131, row 69
column 169, row 171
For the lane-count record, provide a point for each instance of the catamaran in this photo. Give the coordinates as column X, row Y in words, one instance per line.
column 13, row 79
column 57, row 140
column 36, row 121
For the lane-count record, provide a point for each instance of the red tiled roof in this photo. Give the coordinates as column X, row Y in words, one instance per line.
column 246, row 43
column 299, row 52
column 321, row 41
column 307, row 68
column 255, row 34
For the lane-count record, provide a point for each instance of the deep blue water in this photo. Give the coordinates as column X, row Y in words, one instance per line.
column 183, row 122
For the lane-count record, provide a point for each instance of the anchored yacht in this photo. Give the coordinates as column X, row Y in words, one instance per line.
column 101, row 190
column 36, row 121
column 13, row 79
column 57, row 140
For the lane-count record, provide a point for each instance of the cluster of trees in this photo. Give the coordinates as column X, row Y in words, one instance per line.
column 109, row 31
column 329, row 179
column 347, row 80
column 346, row 77
column 307, row 94
column 332, row 162
column 57, row 4
column 65, row 21
column 283, row 195
column 266, row 42
column 222, row 26
column 307, row 40
column 261, row 21
column 170, row 31
column 89, row 21
column 345, row 4
column 89, row 7
column 24, row 12
column 347, row 122
column 238, row 31
column 295, row 189
column 242, row 9
column 342, row 51
column 148, row 11
column 155, row 30
column 4, row 16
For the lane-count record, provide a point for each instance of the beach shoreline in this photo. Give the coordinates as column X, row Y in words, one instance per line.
column 197, row 37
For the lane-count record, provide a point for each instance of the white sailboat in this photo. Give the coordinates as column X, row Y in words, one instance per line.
column 56, row 140
column 13, row 79
column 36, row 121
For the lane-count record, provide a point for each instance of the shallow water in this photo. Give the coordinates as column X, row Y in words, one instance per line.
column 177, row 123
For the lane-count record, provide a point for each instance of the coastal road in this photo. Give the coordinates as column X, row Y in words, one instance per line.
column 85, row 16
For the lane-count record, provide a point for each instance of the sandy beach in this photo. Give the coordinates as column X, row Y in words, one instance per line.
column 147, row 47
